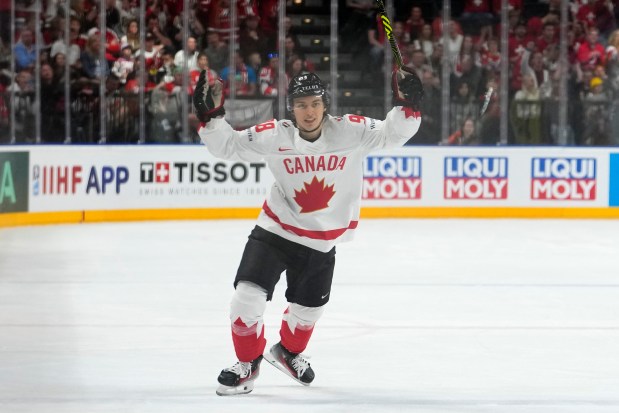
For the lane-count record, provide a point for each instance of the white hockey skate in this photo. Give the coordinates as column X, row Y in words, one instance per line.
column 238, row 379
column 292, row 364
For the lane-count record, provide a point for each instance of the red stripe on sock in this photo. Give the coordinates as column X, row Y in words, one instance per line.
column 296, row 341
column 248, row 345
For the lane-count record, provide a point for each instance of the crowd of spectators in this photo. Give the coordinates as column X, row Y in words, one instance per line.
column 254, row 73
column 472, row 51
column 474, row 61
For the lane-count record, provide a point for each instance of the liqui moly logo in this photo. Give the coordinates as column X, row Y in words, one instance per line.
column 475, row 177
column 563, row 179
column 392, row 177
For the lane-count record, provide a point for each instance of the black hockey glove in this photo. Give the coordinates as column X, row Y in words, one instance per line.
column 208, row 100
column 407, row 88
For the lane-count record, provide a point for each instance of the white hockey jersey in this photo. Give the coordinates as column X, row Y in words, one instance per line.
column 316, row 196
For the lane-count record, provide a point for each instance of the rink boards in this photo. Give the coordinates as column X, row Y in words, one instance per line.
column 53, row 184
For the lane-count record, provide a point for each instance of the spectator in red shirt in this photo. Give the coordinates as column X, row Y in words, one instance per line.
column 604, row 19
column 133, row 83
column 219, row 17
column 150, row 53
column 268, row 77
column 414, row 23
column 597, row 13
column 518, row 42
column 489, row 55
column 535, row 26
column 591, row 53
column 548, row 37
column 268, row 12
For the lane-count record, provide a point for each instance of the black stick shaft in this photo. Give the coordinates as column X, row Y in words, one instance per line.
column 389, row 33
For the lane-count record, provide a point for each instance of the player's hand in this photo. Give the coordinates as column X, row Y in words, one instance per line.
column 208, row 100
column 407, row 88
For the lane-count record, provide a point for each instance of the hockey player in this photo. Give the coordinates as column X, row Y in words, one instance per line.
column 316, row 160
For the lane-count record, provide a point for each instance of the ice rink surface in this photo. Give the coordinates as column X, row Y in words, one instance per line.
column 496, row 316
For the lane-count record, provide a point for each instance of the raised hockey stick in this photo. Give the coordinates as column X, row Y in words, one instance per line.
column 487, row 97
column 389, row 33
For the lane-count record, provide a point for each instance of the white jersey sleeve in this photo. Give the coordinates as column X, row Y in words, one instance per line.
column 398, row 127
column 251, row 144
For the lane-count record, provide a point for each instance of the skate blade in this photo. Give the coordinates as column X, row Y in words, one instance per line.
column 269, row 357
column 244, row 388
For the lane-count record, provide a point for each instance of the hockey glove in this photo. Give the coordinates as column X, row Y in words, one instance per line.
column 407, row 88
column 208, row 100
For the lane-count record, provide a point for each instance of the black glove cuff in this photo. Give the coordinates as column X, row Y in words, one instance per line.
column 408, row 91
column 206, row 117
column 406, row 103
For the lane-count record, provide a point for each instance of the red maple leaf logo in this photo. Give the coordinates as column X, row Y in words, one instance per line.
column 408, row 112
column 314, row 196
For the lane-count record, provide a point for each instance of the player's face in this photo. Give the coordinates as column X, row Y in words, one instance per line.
column 308, row 112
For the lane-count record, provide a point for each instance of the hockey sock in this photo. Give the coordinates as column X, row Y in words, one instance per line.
column 298, row 325
column 246, row 310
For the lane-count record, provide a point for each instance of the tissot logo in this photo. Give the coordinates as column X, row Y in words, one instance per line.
column 158, row 172
column 202, row 172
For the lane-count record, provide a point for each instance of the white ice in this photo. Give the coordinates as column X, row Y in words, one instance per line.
column 494, row 316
